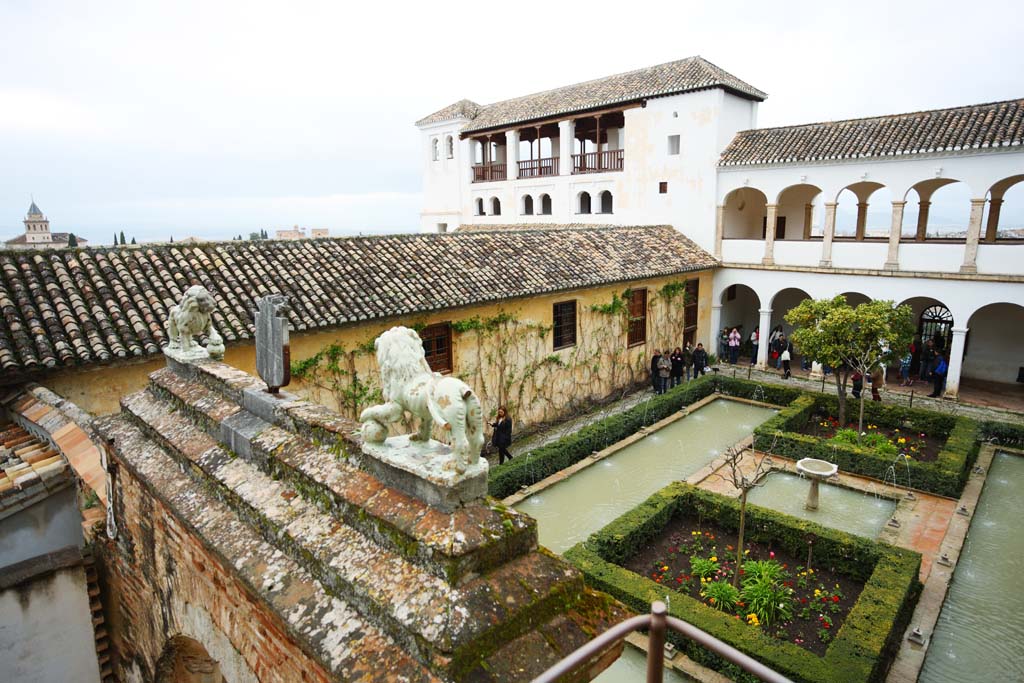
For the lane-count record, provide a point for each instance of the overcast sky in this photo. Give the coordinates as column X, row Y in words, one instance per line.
column 213, row 118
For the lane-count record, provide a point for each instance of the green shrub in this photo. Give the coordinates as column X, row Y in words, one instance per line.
column 767, row 570
column 769, row 599
column 721, row 595
column 702, row 567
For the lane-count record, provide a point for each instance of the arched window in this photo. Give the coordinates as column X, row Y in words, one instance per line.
column 936, row 323
column 450, row 145
column 527, row 205
column 495, row 206
column 583, row 203
column 434, row 147
column 479, row 206
column 606, row 202
column 545, row 204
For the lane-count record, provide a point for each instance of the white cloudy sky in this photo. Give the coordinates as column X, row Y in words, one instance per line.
column 213, row 118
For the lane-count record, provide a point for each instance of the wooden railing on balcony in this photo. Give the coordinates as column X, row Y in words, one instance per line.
column 535, row 168
column 598, row 162
column 483, row 173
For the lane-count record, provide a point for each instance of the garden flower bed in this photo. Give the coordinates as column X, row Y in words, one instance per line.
column 866, row 615
column 891, row 441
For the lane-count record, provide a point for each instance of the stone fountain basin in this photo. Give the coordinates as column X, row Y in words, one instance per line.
column 816, row 469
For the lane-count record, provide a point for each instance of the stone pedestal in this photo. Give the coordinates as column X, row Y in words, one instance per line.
column 812, row 495
column 425, row 470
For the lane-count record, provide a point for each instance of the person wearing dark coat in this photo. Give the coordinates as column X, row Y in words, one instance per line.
column 677, row 367
column 700, row 360
column 655, row 379
column 502, row 436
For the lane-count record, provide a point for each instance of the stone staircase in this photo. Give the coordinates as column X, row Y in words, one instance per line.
column 451, row 595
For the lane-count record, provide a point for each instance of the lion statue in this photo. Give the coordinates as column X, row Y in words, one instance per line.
column 190, row 319
column 408, row 384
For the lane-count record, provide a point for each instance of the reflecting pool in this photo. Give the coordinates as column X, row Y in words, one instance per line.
column 631, row 667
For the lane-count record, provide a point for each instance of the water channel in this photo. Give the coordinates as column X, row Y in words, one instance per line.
column 570, row 511
column 838, row 508
column 980, row 632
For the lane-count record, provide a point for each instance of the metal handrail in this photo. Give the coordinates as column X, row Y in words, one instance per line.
column 658, row 622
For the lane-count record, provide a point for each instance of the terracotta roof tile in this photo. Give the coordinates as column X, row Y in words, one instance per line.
column 95, row 305
column 978, row 126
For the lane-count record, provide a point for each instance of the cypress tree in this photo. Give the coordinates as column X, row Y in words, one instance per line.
column 72, row 240
column 122, row 238
column 133, row 240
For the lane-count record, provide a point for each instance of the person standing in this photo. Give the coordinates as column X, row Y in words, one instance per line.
column 734, row 346
column 700, row 360
column 723, row 344
column 755, row 337
column 858, row 384
column 677, row 367
column 654, row 370
column 939, row 371
column 502, row 436
column 927, row 360
column 688, row 360
column 785, row 356
column 664, row 372
column 905, row 361
column 877, row 382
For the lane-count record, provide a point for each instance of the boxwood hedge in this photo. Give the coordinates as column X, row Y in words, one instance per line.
column 863, row 646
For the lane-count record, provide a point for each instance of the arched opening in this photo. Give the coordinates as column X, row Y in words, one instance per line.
column 435, row 149
column 545, row 204
column 863, row 210
column 992, row 355
column 527, row 209
column 934, row 321
column 450, row 147
column 799, row 213
column 744, row 214
column 478, row 209
column 606, row 201
column 937, row 208
column 1005, row 217
column 782, row 303
column 495, row 206
column 856, row 298
column 583, row 202
column 740, row 309
column 185, row 660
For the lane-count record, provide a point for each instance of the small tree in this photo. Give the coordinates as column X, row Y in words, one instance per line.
column 122, row 238
column 133, row 241
column 850, row 339
column 72, row 240
column 745, row 482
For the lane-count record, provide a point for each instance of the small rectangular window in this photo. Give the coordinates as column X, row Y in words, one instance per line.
column 563, row 317
column 437, row 346
column 637, row 317
column 663, row 187
column 673, row 144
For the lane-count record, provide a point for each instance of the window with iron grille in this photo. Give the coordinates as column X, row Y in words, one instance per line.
column 637, row 317
column 563, row 316
column 437, row 346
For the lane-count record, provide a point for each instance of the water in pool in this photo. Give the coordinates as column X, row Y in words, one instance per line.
column 631, row 667
column 571, row 510
column 838, row 508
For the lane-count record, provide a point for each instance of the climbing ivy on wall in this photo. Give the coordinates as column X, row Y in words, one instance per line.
column 333, row 370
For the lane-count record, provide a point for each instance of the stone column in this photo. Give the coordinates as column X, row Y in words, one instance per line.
column 719, row 230
column 956, row 361
column 992, row 227
column 769, row 234
column 892, row 262
column 512, row 154
column 763, row 332
column 829, row 233
column 862, row 220
column 711, row 343
column 566, row 132
column 922, row 220
column 808, row 218
column 973, row 234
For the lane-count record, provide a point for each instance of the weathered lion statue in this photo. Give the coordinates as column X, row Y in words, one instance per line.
column 190, row 319
column 408, row 384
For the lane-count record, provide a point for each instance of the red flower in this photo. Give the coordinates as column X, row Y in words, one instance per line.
column 803, row 600
column 827, row 625
column 835, row 598
column 824, row 599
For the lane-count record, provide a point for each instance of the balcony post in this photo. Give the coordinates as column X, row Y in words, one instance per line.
column 719, row 230
column 566, row 133
column 512, row 154
column 808, row 218
column 829, row 233
column 956, row 361
column 895, row 230
column 764, row 327
column 769, row 234
column 922, row 221
column 656, row 643
column 992, row 227
column 862, row 220
column 597, row 144
column 973, row 235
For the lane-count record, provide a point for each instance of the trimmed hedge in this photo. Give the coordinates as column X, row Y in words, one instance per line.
column 863, row 647
column 945, row 476
column 1003, row 433
column 527, row 469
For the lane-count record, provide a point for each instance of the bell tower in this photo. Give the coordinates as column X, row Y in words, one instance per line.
column 37, row 227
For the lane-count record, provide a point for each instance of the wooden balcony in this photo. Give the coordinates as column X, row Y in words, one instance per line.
column 485, row 173
column 537, row 168
column 598, row 162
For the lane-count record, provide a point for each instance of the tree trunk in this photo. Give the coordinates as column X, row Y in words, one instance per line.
column 860, row 418
column 841, row 392
column 739, row 540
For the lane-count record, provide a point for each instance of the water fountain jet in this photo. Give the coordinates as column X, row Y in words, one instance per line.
column 815, row 470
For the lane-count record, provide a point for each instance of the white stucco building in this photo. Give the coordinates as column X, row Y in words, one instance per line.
column 816, row 210
column 38, row 236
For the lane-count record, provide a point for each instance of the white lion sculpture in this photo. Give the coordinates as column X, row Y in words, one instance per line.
column 408, row 384
column 190, row 319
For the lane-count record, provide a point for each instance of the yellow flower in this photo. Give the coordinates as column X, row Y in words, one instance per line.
column 901, row 440
column 664, row 568
column 714, row 558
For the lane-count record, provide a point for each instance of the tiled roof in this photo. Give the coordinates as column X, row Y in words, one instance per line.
column 684, row 75
column 30, row 470
column 978, row 126
column 96, row 305
column 463, row 109
column 55, row 238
